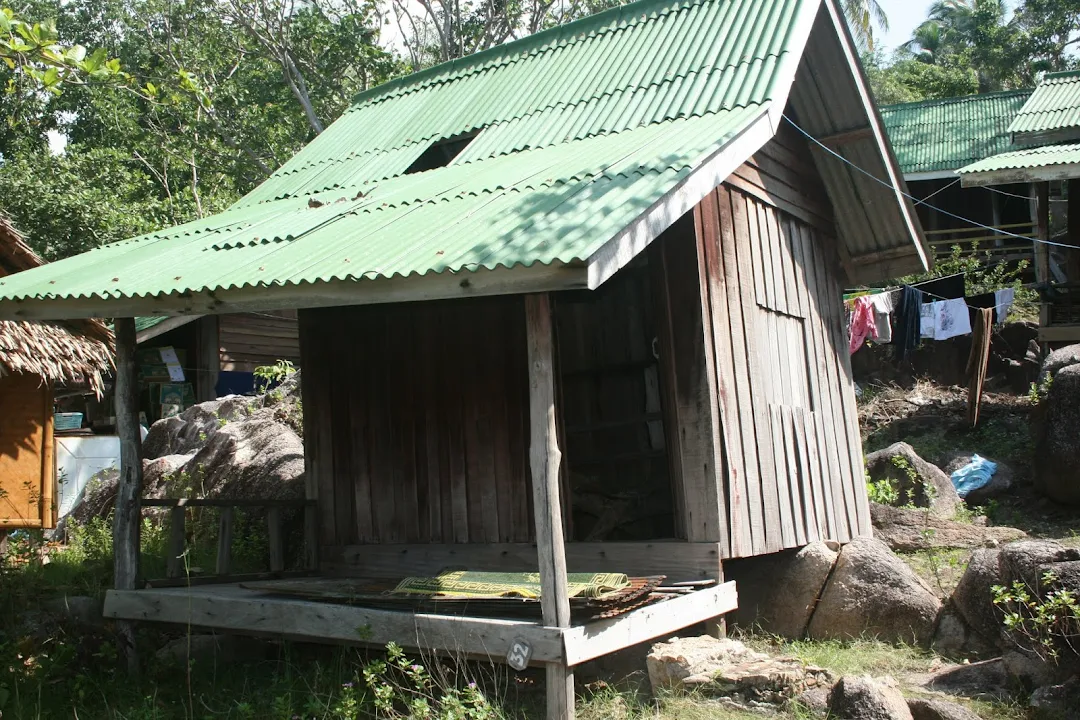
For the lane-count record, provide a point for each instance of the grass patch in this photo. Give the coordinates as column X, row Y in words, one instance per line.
column 940, row 568
column 850, row 657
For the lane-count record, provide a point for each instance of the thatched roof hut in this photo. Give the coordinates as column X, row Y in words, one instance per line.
column 76, row 353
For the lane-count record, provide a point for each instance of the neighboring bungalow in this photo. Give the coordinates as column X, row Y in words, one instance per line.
column 37, row 358
column 935, row 138
column 219, row 352
column 602, row 256
column 1045, row 149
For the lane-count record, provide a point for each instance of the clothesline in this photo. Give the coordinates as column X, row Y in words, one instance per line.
column 911, row 197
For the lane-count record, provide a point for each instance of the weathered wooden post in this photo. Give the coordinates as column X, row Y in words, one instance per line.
column 544, row 460
column 126, row 520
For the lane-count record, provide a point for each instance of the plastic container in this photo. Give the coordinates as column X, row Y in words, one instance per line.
column 67, row 421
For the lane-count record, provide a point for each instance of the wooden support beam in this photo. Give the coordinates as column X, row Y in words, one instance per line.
column 224, row 547
column 209, row 358
column 843, row 137
column 174, row 562
column 311, row 537
column 231, row 607
column 1072, row 218
column 276, row 539
column 544, row 460
column 126, row 519
column 1042, row 232
column 678, row 560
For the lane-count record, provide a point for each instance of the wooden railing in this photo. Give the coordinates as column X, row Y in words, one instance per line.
column 175, row 544
column 1010, row 248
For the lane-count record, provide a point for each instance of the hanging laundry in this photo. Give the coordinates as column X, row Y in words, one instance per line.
column 944, row 288
column 884, row 304
column 978, row 361
column 906, row 322
column 1003, row 300
column 951, row 319
column 861, row 323
column 928, row 320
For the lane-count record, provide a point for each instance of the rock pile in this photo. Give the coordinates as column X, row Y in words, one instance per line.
column 727, row 668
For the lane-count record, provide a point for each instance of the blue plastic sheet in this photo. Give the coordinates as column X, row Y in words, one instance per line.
column 973, row 476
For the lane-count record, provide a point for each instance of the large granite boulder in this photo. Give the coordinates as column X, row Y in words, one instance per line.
column 1060, row 359
column 1056, row 442
column 864, row 698
column 778, row 592
column 906, row 530
column 919, row 482
column 933, row 709
column 873, row 592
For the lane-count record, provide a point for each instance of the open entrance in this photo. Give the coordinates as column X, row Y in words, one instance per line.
column 616, row 465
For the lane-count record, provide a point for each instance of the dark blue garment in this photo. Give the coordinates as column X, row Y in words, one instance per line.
column 231, row 382
column 906, row 321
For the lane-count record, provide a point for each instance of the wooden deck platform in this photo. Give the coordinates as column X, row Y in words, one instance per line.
column 246, row 610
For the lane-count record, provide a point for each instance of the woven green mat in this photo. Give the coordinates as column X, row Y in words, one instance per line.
column 469, row 584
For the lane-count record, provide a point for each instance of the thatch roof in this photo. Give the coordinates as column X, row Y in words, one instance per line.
column 76, row 353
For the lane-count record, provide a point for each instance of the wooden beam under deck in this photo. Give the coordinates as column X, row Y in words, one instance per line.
column 232, row 608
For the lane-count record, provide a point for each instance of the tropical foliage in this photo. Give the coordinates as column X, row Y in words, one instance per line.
column 969, row 46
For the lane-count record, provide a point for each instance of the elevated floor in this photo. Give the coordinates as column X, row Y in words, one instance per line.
column 248, row 610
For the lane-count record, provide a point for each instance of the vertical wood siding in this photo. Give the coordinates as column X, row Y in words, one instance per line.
column 26, row 453
column 773, row 316
column 415, row 418
column 248, row 340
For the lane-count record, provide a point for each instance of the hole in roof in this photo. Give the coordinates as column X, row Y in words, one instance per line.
column 441, row 152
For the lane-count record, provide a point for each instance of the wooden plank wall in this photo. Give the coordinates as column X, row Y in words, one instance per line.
column 775, row 324
column 27, row 471
column 248, row 340
column 415, row 420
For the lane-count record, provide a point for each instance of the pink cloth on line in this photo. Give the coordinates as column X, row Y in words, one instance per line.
column 861, row 324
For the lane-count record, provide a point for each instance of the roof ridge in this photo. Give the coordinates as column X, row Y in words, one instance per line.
column 538, row 39
column 1061, row 74
column 956, row 99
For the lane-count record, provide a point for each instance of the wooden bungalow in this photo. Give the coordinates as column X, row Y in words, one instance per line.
column 933, row 139
column 604, row 261
column 1044, row 152
column 219, row 352
column 35, row 358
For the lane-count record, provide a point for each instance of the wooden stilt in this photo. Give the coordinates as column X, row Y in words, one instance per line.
column 1072, row 219
column 126, row 520
column 1042, row 232
column 544, row 460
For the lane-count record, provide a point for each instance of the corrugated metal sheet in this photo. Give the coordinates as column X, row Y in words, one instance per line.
column 942, row 135
column 1037, row 157
column 559, row 203
column 1055, row 105
column 582, row 128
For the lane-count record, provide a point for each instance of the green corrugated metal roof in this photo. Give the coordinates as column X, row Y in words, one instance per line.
column 1036, row 157
column 582, row 128
column 943, row 135
column 1055, row 105
column 145, row 323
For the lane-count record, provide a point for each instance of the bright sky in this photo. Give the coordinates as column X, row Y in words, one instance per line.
column 904, row 16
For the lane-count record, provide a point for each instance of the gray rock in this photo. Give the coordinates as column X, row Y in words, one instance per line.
column 815, row 700
column 255, row 457
column 979, row 679
column 1061, row 701
column 1028, row 669
column 192, row 647
column 1060, row 359
column 918, row 481
column 873, row 592
column 926, row 709
column 905, row 530
column 1023, row 561
column 727, row 668
column 81, row 609
column 863, row 698
column 778, row 592
column 1056, row 443
column 972, row 596
column 954, row 638
column 1000, row 482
